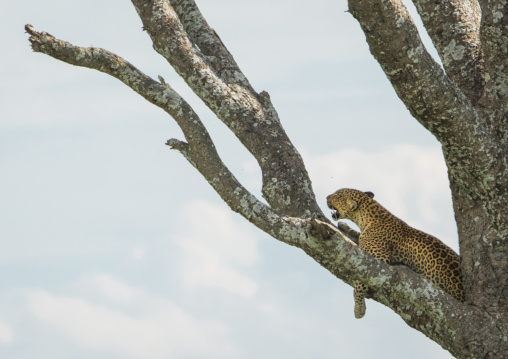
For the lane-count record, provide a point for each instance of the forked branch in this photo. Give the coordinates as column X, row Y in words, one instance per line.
column 210, row 71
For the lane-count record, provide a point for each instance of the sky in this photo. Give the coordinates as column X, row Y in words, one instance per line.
column 113, row 246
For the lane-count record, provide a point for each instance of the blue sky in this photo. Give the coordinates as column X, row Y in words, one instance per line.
column 113, row 246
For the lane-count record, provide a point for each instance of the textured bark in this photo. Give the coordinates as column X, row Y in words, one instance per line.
column 462, row 105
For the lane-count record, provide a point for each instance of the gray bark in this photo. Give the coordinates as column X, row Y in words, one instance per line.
column 463, row 105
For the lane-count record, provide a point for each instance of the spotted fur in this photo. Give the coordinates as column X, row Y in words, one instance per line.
column 391, row 240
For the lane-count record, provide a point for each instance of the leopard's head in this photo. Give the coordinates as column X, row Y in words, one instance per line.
column 346, row 201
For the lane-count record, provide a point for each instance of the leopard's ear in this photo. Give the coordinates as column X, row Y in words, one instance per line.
column 370, row 194
column 351, row 204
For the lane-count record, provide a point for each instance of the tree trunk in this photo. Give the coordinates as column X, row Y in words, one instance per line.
column 462, row 104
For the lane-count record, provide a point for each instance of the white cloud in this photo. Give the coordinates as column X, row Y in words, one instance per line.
column 5, row 333
column 112, row 288
column 162, row 330
column 139, row 253
column 215, row 248
column 409, row 180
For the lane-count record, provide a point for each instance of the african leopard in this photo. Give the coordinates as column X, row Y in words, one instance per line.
column 391, row 240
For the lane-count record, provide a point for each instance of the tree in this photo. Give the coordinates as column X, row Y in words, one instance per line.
column 461, row 104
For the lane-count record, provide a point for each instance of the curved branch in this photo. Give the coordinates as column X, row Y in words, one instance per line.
column 435, row 101
column 158, row 93
column 456, row 36
column 250, row 116
column 200, row 150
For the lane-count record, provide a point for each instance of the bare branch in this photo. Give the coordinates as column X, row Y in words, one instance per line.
column 456, row 36
column 250, row 116
column 160, row 94
column 200, row 150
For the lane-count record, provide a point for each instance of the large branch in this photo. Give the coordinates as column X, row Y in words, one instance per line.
column 421, row 304
column 249, row 115
column 454, row 27
column 431, row 97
